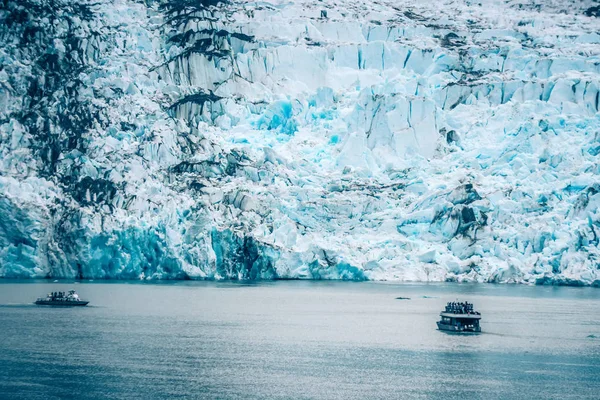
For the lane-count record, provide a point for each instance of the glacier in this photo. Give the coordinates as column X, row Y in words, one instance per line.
column 453, row 140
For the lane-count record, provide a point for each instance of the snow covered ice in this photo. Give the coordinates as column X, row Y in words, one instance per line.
column 416, row 140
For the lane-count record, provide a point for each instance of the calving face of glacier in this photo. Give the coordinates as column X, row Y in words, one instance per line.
column 178, row 139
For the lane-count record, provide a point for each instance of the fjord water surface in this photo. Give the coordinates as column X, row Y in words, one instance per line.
column 300, row 340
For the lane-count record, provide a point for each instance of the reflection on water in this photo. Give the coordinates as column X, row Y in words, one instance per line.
column 292, row 339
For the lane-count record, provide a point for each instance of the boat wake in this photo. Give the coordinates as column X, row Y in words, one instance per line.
column 17, row 305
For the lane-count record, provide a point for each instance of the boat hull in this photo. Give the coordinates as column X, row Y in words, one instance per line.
column 455, row 328
column 62, row 303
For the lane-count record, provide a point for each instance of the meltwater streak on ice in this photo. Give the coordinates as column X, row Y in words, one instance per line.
column 429, row 141
column 315, row 340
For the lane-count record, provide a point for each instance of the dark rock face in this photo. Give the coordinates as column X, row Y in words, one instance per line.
column 241, row 258
column 57, row 119
column 583, row 200
column 460, row 220
column 465, row 194
column 593, row 11
column 452, row 40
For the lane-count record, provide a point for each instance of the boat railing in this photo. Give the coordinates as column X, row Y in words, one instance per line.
column 461, row 308
column 57, row 299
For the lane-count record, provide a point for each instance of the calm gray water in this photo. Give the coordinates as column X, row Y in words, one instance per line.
column 297, row 340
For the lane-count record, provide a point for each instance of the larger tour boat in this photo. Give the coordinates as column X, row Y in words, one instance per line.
column 61, row 299
column 459, row 317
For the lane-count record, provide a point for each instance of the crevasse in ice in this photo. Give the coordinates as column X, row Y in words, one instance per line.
column 178, row 139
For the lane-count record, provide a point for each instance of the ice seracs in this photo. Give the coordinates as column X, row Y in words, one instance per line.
column 452, row 140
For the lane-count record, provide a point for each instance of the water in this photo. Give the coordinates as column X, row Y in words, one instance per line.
column 300, row 340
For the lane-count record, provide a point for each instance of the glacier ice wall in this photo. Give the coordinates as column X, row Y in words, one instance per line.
column 198, row 139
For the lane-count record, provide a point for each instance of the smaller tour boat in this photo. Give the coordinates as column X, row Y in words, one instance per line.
column 61, row 299
column 459, row 317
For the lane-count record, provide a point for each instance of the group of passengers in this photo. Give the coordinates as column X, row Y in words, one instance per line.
column 459, row 307
column 58, row 295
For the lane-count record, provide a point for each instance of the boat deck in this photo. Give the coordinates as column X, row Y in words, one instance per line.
column 461, row 316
